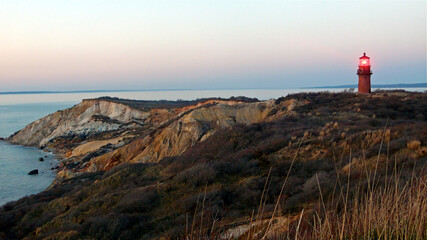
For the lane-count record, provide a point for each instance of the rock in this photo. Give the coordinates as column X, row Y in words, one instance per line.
column 1, row 139
column 79, row 120
column 33, row 172
column 41, row 159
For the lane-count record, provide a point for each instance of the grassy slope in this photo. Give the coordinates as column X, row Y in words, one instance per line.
column 220, row 181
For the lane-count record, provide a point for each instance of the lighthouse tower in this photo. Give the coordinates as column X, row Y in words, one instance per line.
column 364, row 73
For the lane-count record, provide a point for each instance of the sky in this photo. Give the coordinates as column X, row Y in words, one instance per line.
column 201, row 44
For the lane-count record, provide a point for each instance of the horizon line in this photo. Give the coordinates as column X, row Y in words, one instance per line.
column 397, row 85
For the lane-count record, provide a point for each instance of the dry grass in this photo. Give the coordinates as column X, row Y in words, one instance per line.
column 390, row 212
column 387, row 213
column 396, row 209
column 414, row 144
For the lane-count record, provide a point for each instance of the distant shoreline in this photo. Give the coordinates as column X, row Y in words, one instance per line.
column 399, row 85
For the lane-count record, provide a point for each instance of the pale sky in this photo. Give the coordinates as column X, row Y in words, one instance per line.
column 199, row 44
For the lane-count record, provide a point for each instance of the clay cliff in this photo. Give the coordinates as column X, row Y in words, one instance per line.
column 87, row 118
column 98, row 134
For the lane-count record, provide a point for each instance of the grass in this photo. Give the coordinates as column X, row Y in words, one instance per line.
column 385, row 213
column 397, row 209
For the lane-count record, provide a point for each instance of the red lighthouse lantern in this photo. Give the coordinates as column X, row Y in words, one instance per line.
column 364, row 73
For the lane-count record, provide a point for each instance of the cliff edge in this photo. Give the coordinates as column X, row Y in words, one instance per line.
column 98, row 134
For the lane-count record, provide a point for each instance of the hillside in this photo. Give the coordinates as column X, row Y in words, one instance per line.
column 306, row 165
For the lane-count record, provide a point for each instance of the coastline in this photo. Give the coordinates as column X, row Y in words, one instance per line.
column 62, row 159
column 55, row 155
column 48, row 170
column 167, row 158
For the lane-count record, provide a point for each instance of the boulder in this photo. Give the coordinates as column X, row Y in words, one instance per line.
column 41, row 159
column 33, row 172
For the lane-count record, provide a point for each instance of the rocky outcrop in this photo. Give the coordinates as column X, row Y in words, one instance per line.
column 87, row 118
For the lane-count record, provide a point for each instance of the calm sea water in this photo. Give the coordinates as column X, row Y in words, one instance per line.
column 16, row 161
column 18, row 110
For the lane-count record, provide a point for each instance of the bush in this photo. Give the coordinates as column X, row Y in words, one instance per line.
column 138, row 200
column 197, row 175
column 414, row 144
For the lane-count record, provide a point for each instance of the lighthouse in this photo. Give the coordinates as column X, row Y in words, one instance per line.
column 364, row 73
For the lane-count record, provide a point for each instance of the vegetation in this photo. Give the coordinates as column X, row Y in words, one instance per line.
column 342, row 166
column 144, row 104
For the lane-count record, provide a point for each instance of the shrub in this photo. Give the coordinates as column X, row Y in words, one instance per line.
column 197, row 175
column 311, row 185
column 414, row 144
column 138, row 200
column 106, row 226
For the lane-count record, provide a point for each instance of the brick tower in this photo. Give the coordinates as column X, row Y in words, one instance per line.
column 364, row 73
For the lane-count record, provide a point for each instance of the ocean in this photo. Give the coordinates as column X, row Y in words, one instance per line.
column 18, row 110
column 16, row 161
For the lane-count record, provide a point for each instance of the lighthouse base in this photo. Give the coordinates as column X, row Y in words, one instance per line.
column 364, row 84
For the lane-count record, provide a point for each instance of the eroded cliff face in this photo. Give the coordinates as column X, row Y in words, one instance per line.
column 192, row 127
column 87, row 118
column 143, row 135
